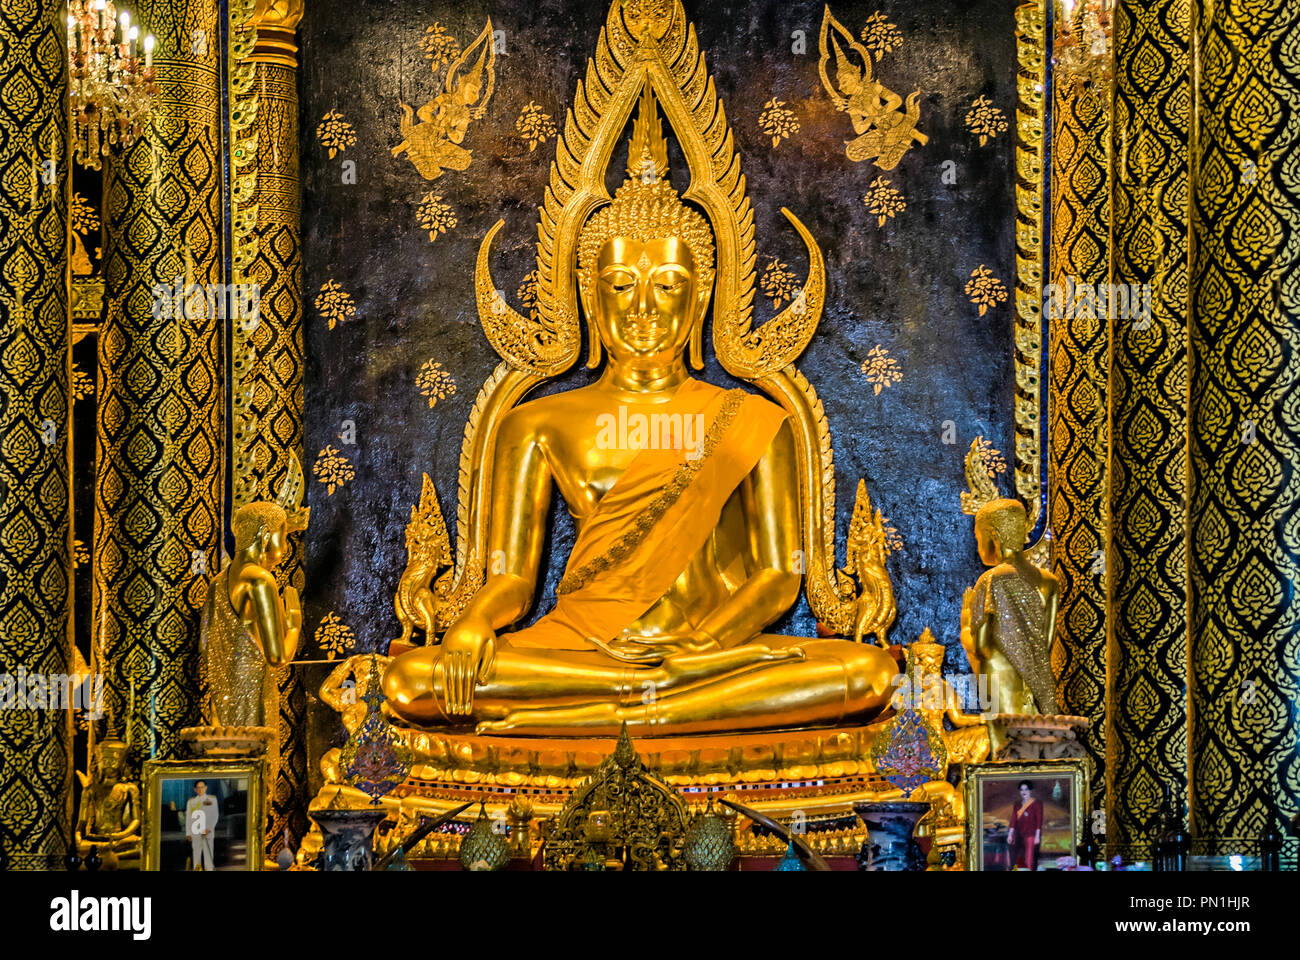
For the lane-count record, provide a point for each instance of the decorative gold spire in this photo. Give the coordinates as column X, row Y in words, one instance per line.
column 647, row 154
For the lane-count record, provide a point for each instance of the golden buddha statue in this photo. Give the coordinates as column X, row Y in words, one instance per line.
column 348, row 684
column 250, row 627
column 108, row 819
column 1009, row 617
column 689, row 500
column 968, row 740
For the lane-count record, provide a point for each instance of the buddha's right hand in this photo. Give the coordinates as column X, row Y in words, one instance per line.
column 468, row 655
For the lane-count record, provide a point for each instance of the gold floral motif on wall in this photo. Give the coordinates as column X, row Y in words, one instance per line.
column 893, row 539
column 884, row 200
column 438, row 45
column 434, row 215
column 80, row 553
column 433, row 143
column 334, row 638
column 884, row 123
column 990, row 458
column 985, row 120
column 333, row 469
column 880, row 36
column 534, row 125
column 334, row 303
column 881, row 369
column 778, row 121
column 779, row 283
column 335, row 134
column 984, row 289
column 434, row 382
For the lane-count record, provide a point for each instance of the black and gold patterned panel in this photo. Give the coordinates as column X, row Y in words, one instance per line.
column 1147, row 762
column 1078, row 429
column 1244, row 538
column 160, row 441
column 35, row 400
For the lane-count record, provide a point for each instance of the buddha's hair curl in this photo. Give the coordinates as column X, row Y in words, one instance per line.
column 1006, row 520
column 648, row 211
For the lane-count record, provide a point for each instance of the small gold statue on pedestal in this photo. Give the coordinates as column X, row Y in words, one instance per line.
column 1009, row 617
column 1008, row 621
column 348, row 684
column 250, row 626
column 968, row 740
column 250, row 631
column 109, row 817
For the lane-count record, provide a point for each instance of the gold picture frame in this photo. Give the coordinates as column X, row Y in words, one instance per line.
column 991, row 788
column 238, row 802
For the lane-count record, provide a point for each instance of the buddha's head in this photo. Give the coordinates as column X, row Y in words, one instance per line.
column 1000, row 529
column 645, row 274
column 261, row 532
column 110, row 756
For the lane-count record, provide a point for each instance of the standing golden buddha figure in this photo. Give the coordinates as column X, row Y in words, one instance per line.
column 686, row 499
column 1010, row 615
column 1008, row 622
column 249, row 628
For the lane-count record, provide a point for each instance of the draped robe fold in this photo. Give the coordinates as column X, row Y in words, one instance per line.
column 648, row 525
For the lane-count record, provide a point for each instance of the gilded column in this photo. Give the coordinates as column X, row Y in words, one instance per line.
column 35, row 403
column 268, row 360
column 1147, row 743
column 1244, row 421
column 158, row 491
column 1077, row 396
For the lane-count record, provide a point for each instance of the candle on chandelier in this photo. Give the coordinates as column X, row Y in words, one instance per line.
column 148, row 51
column 131, row 36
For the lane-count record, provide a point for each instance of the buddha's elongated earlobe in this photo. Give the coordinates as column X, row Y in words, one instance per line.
column 594, row 352
column 593, row 346
column 696, row 343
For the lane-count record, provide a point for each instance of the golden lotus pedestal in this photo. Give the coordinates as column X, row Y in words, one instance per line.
column 810, row 777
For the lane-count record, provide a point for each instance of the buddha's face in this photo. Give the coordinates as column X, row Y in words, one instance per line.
column 110, row 770
column 646, row 300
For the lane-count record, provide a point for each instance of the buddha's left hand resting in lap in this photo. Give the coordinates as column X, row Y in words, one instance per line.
column 686, row 501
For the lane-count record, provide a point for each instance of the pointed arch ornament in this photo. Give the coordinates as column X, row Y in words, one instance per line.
column 648, row 53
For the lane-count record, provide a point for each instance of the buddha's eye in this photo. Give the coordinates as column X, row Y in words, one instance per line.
column 620, row 282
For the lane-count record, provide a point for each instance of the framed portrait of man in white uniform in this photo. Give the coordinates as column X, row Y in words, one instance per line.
column 203, row 815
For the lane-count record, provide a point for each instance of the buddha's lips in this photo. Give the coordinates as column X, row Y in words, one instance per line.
column 643, row 331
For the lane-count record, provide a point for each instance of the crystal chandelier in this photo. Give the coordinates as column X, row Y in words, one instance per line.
column 1083, row 40
column 111, row 91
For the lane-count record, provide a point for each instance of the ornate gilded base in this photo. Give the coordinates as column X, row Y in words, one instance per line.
column 227, row 741
column 463, row 763
column 1040, row 737
column 814, row 776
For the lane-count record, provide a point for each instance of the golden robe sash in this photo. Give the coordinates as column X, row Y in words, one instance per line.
column 649, row 524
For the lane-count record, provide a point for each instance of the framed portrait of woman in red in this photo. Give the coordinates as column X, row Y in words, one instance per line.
column 1024, row 815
